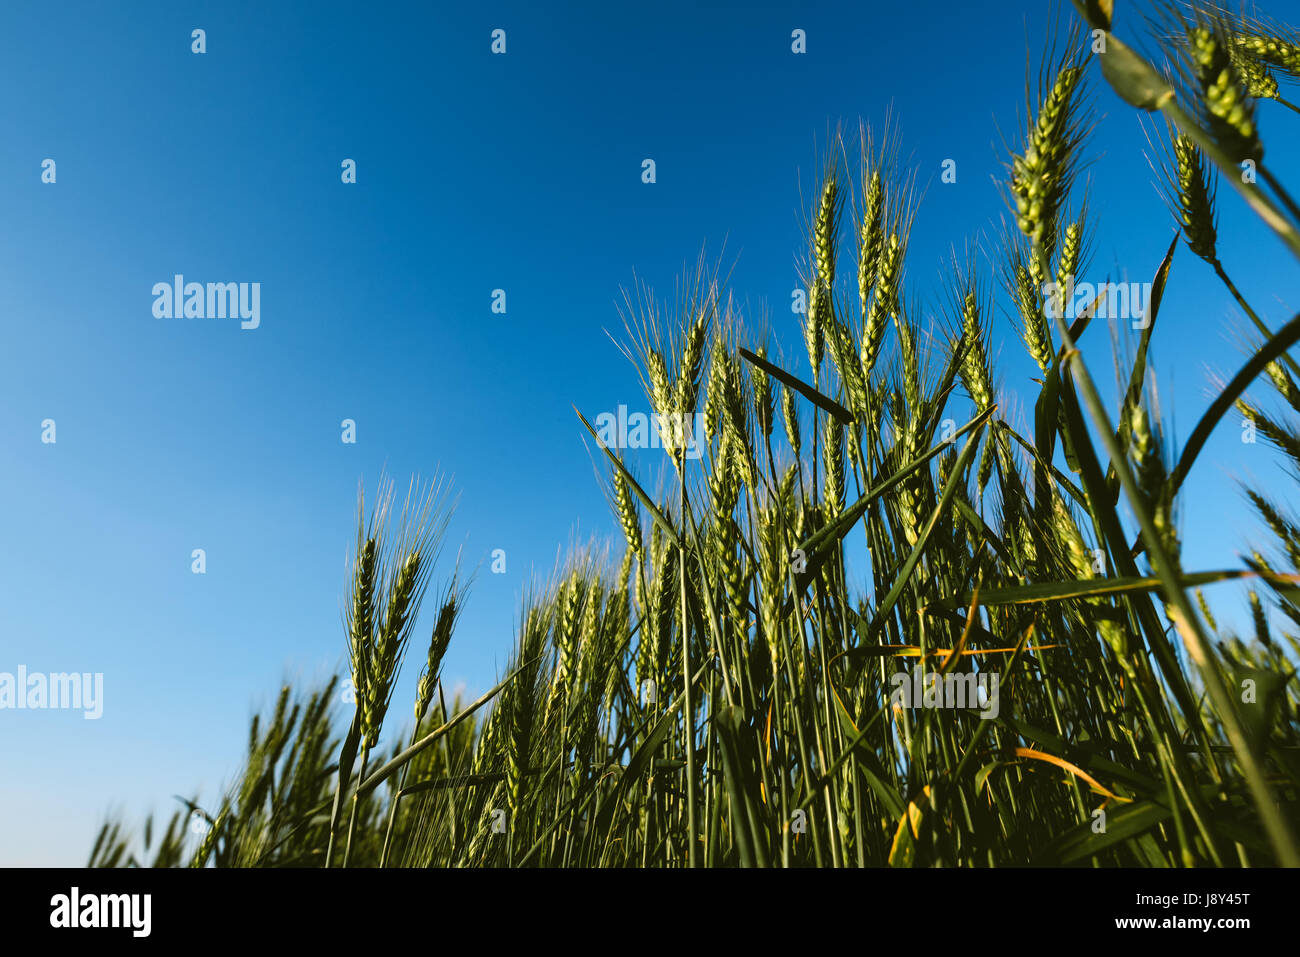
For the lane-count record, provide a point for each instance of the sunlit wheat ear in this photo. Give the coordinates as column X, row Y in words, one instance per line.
column 663, row 609
column 1148, row 454
column 1034, row 328
column 833, row 464
column 584, row 655
column 453, row 602
column 1279, row 52
column 263, row 754
column 1205, row 610
column 688, row 375
column 1260, row 38
column 361, row 614
column 870, row 236
column 825, row 237
column 790, row 415
column 628, row 516
column 772, row 563
column 389, row 644
column 1069, row 262
column 785, row 489
column 613, row 637
column 844, row 352
column 1284, row 384
column 737, row 405
column 569, row 602
column 1259, row 617
column 723, row 482
column 906, row 449
column 1079, row 563
column 1228, row 108
column 401, row 580
column 884, row 303
column 643, row 662
column 624, row 576
column 911, row 368
column 523, row 706
column 764, row 404
column 1195, row 197
column 1074, row 255
column 715, row 386
column 1258, row 81
column 974, row 369
column 209, row 842
column 1041, row 175
column 661, row 393
column 601, row 634
column 664, row 398
column 1282, row 527
column 1285, row 439
column 985, row 469
column 826, row 230
column 1075, row 549
column 729, row 567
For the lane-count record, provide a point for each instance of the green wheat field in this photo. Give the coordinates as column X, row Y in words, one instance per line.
column 712, row 689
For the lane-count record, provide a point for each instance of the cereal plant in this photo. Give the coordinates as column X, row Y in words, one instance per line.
column 874, row 622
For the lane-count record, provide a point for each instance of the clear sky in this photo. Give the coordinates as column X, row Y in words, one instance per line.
column 475, row 172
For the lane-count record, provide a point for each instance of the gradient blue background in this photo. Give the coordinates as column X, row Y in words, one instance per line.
column 475, row 172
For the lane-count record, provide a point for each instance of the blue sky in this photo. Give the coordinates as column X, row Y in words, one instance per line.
column 474, row 172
